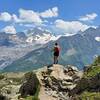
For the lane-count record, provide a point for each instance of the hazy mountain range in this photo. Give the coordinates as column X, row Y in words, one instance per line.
column 31, row 49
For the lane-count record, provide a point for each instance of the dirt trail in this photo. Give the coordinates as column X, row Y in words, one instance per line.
column 44, row 96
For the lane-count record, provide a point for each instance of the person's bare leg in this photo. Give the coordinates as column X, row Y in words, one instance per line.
column 54, row 59
column 57, row 60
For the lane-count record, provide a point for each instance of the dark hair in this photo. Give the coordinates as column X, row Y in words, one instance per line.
column 56, row 43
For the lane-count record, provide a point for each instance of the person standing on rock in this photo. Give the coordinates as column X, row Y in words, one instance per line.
column 56, row 51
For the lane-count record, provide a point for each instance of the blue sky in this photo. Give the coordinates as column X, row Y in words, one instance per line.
column 64, row 16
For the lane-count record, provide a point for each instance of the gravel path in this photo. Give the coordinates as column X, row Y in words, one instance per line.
column 44, row 96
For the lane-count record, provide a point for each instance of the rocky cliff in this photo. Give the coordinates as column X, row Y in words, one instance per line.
column 53, row 82
column 57, row 81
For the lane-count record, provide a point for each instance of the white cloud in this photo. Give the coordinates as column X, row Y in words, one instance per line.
column 5, row 16
column 29, row 25
column 36, row 17
column 29, row 16
column 71, row 52
column 15, row 18
column 70, row 26
column 97, row 39
column 9, row 29
column 50, row 13
column 88, row 17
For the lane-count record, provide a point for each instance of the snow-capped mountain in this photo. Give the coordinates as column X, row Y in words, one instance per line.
column 79, row 50
column 4, row 39
column 14, row 46
column 38, row 35
column 35, row 35
column 8, row 39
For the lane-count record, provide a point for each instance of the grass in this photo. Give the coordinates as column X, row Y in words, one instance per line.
column 89, row 96
column 2, row 76
column 95, row 68
column 37, row 93
column 92, row 72
column 29, row 98
column 35, row 97
column 16, row 80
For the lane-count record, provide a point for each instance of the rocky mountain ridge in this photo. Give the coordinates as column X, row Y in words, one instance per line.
column 55, row 80
column 79, row 50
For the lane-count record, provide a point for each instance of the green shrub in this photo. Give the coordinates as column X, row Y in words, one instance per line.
column 1, row 76
column 37, row 93
column 94, row 68
column 97, row 61
column 89, row 96
column 16, row 80
column 92, row 72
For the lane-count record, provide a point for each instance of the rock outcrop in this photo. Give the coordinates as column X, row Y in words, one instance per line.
column 30, row 86
column 58, row 80
column 3, row 97
column 10, row 84
column 55, row 81
column 89, row 85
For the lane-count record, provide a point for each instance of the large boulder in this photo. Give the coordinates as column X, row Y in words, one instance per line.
column 58, row 80
column 30, row 86
column 3, row 97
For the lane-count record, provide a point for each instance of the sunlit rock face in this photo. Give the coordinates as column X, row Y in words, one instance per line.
column 58, row 80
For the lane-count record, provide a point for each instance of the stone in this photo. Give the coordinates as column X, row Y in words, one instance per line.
column 54, row 94
column 3, row 97
column 57, row 81
column 30, row 86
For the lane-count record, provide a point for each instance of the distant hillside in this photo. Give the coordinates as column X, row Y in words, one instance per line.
column 15, row 46
column 78, row 50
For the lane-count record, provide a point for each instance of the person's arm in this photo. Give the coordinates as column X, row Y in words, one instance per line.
column 59, row 48
column 52, row 50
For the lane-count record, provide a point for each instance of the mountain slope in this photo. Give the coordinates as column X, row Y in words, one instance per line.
column 15, row 46
column 78, row 50
column 89, row 86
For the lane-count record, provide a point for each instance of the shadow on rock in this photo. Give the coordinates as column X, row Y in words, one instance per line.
column 30, row 86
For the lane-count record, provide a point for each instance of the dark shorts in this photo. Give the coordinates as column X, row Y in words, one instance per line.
column 56, row 53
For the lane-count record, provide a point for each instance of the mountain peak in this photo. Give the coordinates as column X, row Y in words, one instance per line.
column 90, row 29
